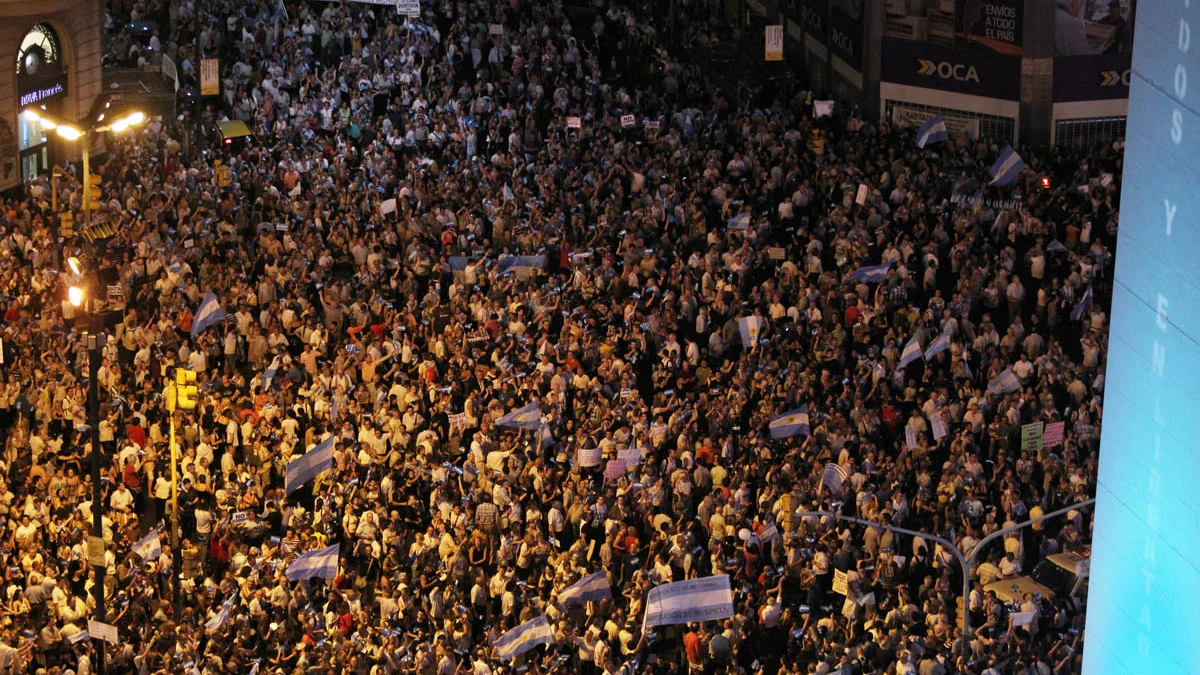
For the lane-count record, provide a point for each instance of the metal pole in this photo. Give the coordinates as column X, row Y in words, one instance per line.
column 966, row 561
column 95, row 343
column 87, row 172
column 177, row 557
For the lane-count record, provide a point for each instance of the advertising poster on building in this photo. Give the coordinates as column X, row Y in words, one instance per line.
column 1093, row 27
column 995, row 25
column 990, row 25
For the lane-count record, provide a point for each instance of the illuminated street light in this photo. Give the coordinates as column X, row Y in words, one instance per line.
column 68, row 132
column 75, row 267
column 75, row 295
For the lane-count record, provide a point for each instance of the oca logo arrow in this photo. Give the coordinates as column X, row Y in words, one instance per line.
column 947, row 71
column 1111, row 78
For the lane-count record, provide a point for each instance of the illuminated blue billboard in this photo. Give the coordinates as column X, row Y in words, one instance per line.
column 1143, row 614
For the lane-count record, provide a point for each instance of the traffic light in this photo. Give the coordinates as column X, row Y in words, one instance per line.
column 92, row 192
column 66, row 224
column 185, row 389
column 170, row 396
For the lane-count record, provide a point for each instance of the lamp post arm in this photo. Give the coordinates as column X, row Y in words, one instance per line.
column 1020, row 526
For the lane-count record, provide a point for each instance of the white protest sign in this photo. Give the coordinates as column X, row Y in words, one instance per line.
column 627, row 121
column 409, row 8
column 939, row 426
column 388, row 206
column 102, row 631
column 574, row 122
column 1083, row 568
column 631, row 456
column 496, row 29
column 588, row 457
column 910, row 437
column 839, row 583
column 861, row 197
column 1022, row 618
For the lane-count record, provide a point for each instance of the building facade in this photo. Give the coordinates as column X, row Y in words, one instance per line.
column 54, row 51
column 1032, row 72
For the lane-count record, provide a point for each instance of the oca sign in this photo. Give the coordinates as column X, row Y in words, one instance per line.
column 947, row 70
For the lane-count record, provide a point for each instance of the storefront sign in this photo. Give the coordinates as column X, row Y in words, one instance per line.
column 846, row 33
column 954, row 70
column 43, row 93
column 1091, row 78
column 774, row 43
column 210, row 77
column 812, row 15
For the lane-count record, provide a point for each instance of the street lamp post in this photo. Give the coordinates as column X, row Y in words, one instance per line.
column 966, row 561
column 100, row 120
column 95, row 345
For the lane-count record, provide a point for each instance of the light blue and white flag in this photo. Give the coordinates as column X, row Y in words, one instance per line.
column 209, row 314
column 932, row 131
column 334, row 413
column 833, row 477
column 693, row 600
column 220, row 618
column 941, row 344
column 871, row 274
column 508, row 194
column 511, row 262
column 739, row 222
column 912, row 352
column 270, row 373
column 307, row 466
column 149, row 547
column 1007, row 166
column 322, row 563
column 528, row 417
column 594, row 586
column 523, row 638
column 1004, row 383
column 1084, row 304
column 751, row 327
column 792, row 423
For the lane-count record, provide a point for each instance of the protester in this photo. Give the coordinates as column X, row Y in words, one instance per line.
column 481, row 270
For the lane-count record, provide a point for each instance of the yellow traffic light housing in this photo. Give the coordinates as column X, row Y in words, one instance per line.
column 186, row 393
column 66, row 224
column 92, row 192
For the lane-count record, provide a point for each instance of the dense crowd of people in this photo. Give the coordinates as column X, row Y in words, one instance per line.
column 445, row 219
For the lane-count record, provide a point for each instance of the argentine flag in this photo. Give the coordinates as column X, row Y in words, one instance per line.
column 309, row 465
column 872, row 274
column 938, row 346
column 1084, row 304
column 933, row 131
column 739, row 222
column 528, row 417
column 269, row 374
column 594, row 586
column 1004, row 383
column 751, row 327
column 210, row 313
column 912, row 352
column 523, row 638
column 220, row 618
column 322, row 563
column 149, row 547
column 1007, row 166
column 833, row 477
column 791, row 423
